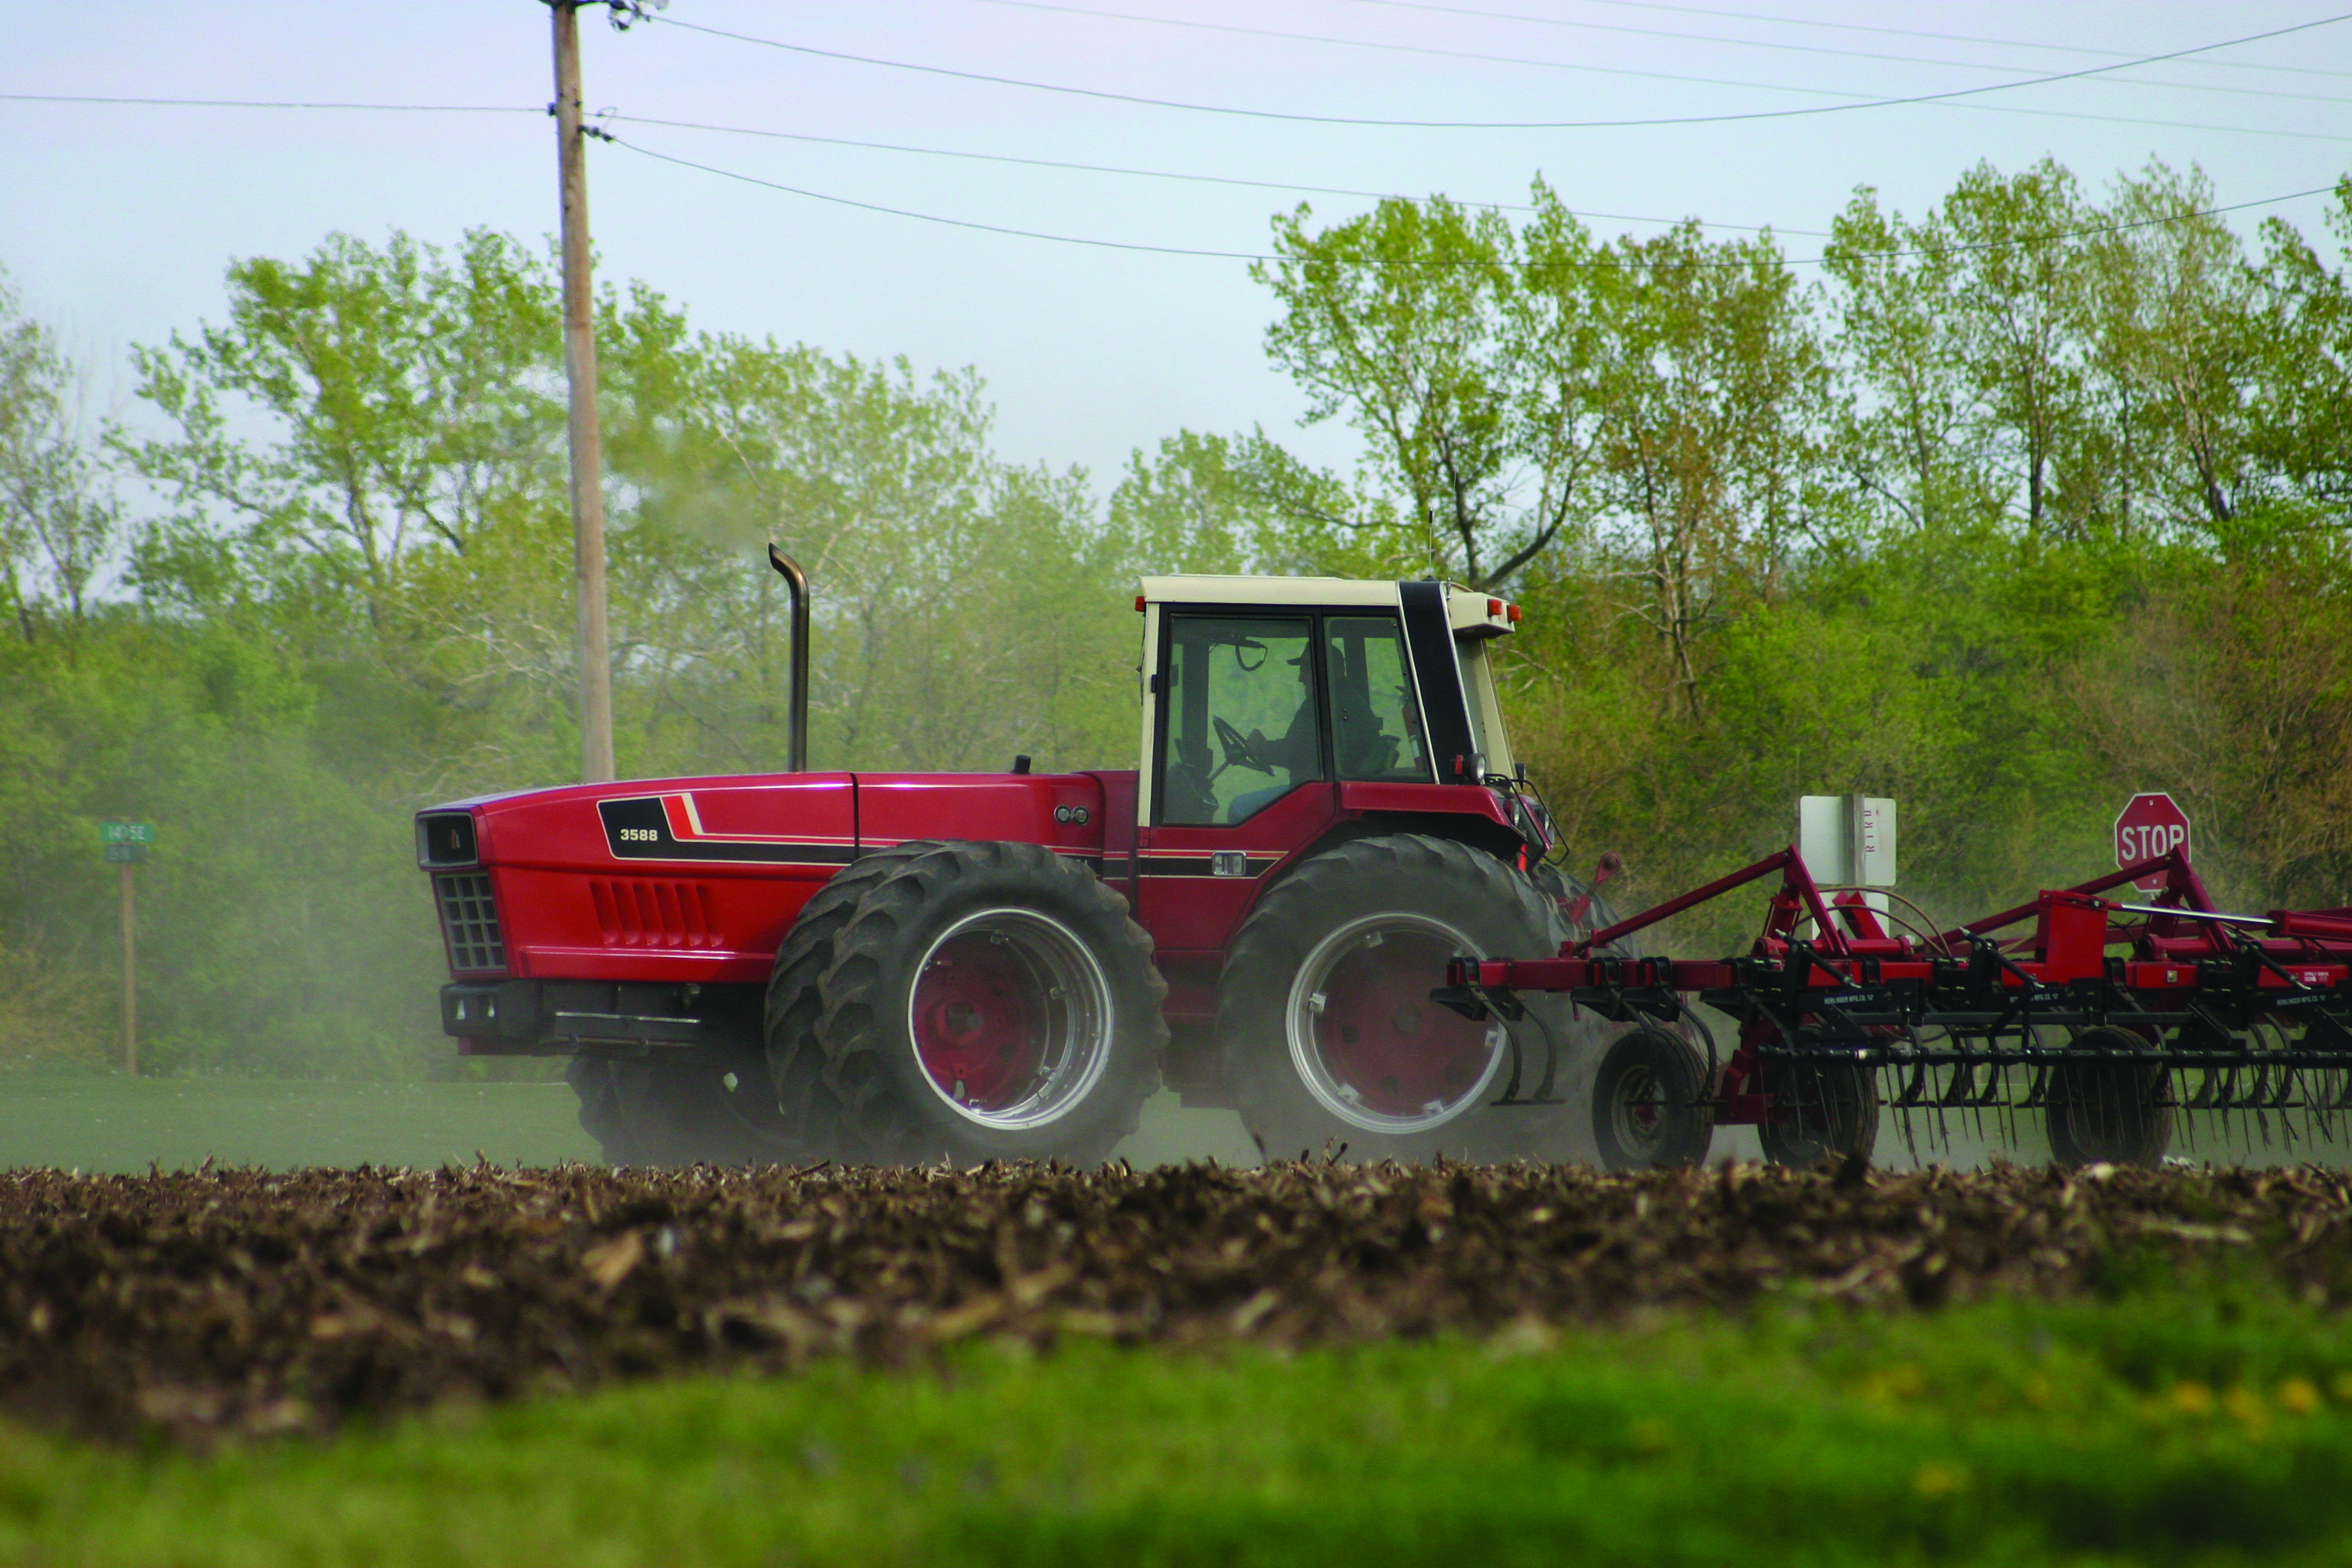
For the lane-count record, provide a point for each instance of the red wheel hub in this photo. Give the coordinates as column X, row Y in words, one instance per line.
column 979, row 1017
column 1382, row 1037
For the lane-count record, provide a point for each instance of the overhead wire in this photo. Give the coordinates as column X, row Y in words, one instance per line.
column 272, row 104
column 1652, row 6
column 1947, row 96
column 520, row 108
column 1774, row 20
column 1197, row 24
column 2052, row 237
column 611, row 117
column 616, row 118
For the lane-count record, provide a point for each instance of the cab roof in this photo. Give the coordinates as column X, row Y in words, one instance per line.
column 1471, row 613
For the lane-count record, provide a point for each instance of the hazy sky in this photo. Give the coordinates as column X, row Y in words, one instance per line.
column 116, row 222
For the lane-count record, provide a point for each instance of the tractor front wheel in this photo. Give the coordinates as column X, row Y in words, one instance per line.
column 712, row 1107
column 1327, row 1033
column 990, row 1000
column 796, row 1062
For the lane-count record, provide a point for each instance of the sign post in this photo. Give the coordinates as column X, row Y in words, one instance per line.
column 2149, row 825
column 126, row 845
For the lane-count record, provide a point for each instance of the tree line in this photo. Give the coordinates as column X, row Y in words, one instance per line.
column 2006, row 510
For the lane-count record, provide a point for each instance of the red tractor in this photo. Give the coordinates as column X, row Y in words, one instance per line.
column 973, row 967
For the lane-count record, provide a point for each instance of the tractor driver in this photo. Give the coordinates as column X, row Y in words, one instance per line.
column 1296, row 756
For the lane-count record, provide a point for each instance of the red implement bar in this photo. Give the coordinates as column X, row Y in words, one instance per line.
column 2074, row 930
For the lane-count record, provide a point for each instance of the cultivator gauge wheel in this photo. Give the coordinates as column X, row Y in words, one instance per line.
column 2114, row 1111
column 1650, row 1108
column 1822, row 1110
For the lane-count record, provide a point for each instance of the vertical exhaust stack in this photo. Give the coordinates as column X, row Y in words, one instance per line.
column 796, row 581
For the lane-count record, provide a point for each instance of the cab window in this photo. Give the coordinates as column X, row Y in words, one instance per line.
column 1375, row 719
column 1238, row 716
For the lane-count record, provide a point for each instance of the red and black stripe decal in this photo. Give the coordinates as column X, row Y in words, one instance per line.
column 667, row 827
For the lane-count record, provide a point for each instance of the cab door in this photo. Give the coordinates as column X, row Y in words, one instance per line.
column 1240, row 767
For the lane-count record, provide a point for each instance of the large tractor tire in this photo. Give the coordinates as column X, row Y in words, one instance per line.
column 710, row 1108
column 1325, row 1026
column 1651, row 1102
column 990, row 1000
column 2113, row 1111
column 805, row 1104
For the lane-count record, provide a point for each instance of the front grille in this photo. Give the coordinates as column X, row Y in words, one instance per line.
column 470, row 920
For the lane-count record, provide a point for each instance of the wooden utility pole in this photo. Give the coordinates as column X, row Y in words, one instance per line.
column 592, row 642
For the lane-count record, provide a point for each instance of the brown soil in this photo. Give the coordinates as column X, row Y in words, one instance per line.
column 203, row 1303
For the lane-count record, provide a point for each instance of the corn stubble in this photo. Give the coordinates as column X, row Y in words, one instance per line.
column 201, row 1304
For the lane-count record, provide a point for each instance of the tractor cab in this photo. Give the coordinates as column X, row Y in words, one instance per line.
column 1284, row 715
column 1254, row 687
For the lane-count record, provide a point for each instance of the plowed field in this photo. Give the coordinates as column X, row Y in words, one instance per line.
column 218, row 1301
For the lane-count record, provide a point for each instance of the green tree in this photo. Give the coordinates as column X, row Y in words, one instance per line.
column 59, row 521
column 1459, row 352
column 1714, row 393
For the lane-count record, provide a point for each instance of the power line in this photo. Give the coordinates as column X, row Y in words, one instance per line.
column 1155, row 174
column 273, row 103
column 935, row 218
column 1098, row 93
column 2052, row 237
column 848, row 142
column 520, row 108
column 1656, row 5
column 1621, row 70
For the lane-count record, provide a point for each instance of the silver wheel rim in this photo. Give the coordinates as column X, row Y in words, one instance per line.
column 1307, row 1012
column 1059, row 1008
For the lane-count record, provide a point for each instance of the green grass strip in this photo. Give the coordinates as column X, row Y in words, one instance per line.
column 2168, row 1427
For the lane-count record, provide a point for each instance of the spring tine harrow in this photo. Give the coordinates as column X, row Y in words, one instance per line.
column 2163, row 1006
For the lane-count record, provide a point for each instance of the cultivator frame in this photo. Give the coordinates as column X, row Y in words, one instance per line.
column 2245, row 1014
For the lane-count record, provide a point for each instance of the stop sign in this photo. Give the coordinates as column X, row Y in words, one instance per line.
column 2149, row 825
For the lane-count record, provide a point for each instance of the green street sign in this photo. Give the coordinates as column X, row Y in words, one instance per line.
column 126, row 833
column 125, row 854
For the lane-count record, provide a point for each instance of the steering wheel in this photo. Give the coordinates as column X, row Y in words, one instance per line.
column 1239, row 753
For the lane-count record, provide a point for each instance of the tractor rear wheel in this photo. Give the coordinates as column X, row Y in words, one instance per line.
column 711, row 1108
column 990, row 1000
column 1324, row 1024
column 1649, row 1103
column 804, row 1104
column 2109, row 1110
column 1832, row 1112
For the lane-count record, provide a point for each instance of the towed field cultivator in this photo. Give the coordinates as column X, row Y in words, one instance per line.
column 2109, row 1016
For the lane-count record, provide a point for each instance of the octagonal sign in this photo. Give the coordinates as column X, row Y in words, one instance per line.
column 2149, row 825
